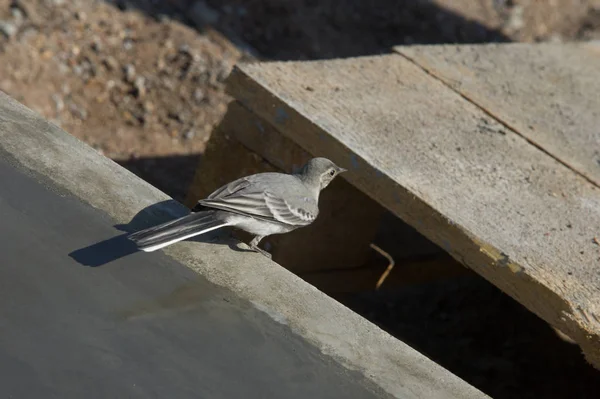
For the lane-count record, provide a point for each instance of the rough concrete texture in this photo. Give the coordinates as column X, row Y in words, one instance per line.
column 71, row 168
column 547, row 93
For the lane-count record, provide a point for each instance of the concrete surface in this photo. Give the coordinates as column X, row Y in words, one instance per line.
column 481, row 191
column 203, row 319
column 547, row 92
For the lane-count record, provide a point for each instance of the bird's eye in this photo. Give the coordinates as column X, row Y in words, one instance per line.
column 332, row 172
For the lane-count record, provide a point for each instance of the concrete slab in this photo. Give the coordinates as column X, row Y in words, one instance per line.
column 202, row 319
column 548, row 93
column 494, row 201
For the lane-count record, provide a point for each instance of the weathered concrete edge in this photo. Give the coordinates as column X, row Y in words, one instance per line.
column 583, row 332
column 337, row 331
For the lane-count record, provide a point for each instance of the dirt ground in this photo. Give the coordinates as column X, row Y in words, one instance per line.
column 142, row 82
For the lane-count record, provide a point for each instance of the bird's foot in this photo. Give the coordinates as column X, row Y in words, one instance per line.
column 261, row 251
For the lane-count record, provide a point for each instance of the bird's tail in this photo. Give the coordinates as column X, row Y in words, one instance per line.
column 168, row 233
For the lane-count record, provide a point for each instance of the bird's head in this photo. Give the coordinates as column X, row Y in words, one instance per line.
column 321, row 171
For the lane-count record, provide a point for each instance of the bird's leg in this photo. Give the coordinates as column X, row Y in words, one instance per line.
column 254, row 246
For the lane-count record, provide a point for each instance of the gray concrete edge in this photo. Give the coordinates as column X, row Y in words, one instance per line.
column 338, row 332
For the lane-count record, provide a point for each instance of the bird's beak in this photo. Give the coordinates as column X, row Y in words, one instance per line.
column 341, row 170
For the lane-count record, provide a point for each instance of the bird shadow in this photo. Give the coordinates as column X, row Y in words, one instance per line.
column 111, row 249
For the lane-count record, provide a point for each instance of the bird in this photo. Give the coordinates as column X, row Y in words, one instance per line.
column 262, row 204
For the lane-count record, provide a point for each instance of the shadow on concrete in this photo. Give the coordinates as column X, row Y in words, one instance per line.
column 117, row 247
column 319, row 29
column 111, row 249
column 104, row 252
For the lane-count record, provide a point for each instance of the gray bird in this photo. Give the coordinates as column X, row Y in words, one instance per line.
column 262, row 204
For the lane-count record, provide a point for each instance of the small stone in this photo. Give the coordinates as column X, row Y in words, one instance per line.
column 161, row 64
column 185, row 49
column 140, row 86
column 199, row 96
column 168, row 84
column 223, row 71
column 127, row 44
column 127, row 116
column 129, row 71
column 101, row 98
column 148, row 106
column 189, row 134
column 17, row 15
column 515, row 21
column 59, row 104
column 78, row 112
column 197, row 58
column 46, row 54
column 110, row 63
column 8, row 29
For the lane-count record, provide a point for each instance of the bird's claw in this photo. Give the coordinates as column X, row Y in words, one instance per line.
column 262, row 251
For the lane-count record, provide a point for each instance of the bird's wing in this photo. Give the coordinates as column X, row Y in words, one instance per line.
column 287, row 213
column 230, row 189
column 240, row 197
